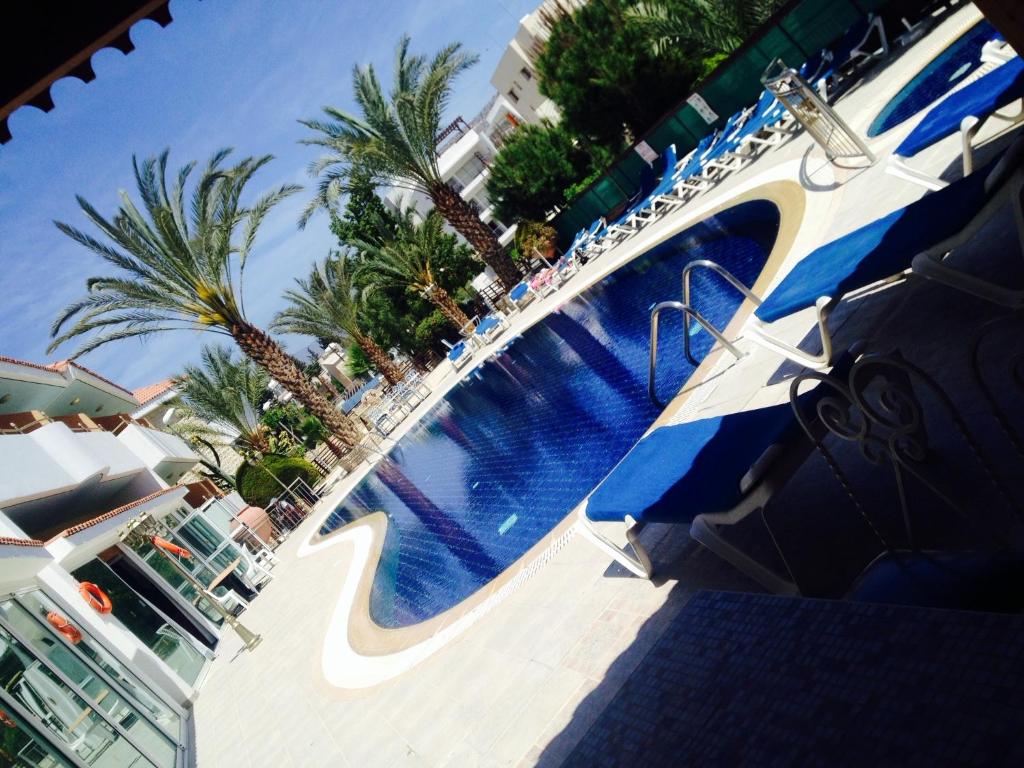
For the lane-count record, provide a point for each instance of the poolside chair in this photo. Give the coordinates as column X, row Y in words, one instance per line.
column 688, row 178
column 708, row 473
column 768, row 126
column 460, row 354
column 965, row 110
column 911, row 240
column 941, row 540
column 520, row 296
column 643, row 211
column 488, row 329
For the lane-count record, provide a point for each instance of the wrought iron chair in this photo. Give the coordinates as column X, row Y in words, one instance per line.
column 945, row 540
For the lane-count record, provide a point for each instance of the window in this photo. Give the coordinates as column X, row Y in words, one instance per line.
column 82, row 724
column 525, row 72
column 513, row 95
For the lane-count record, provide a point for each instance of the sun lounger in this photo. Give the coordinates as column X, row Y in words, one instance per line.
column 915, row 239
column 706, row 473
column 520, row 295
column 459, row 355
column 630, row 221
column 964, row 110
column 488, row 329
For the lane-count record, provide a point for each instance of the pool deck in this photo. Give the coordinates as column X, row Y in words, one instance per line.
column 518, row 674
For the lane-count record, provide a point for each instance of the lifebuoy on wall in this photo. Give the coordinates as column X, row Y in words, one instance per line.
column 7, row 720
column 95, row 597
column 168, row 546
column 61, row 624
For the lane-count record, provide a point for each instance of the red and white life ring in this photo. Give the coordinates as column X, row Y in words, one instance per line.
column 95, row 597
column 66, row 628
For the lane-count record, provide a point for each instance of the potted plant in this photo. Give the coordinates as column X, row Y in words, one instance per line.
column 534, row 238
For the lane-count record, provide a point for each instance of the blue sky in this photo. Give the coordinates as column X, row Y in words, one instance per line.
column 236, row 74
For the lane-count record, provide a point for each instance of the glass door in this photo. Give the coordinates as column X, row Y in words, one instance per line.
column 166, row 715
column 23, row 746
column 67, row 714
column 155, row 630
column 104, row 694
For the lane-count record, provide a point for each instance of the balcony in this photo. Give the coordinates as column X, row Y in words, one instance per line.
column 167, row 455
column 55, row 458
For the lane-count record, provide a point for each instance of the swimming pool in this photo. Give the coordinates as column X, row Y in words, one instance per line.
column 514, row 447
column 945, row 71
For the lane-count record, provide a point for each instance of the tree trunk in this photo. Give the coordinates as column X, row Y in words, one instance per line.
column 440, row 297
column 467, row 223
column 379, row 359
column 266, row 353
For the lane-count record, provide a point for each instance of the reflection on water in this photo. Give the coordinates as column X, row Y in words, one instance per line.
column 508, row 453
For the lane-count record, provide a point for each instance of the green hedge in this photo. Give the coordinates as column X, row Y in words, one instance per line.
column 257, row 487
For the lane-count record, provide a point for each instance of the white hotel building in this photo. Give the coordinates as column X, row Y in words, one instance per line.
column 84, row 686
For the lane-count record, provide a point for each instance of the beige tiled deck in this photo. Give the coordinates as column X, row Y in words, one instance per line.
column 526, row 678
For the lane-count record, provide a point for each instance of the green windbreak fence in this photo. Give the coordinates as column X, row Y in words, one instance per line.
column 797, row 31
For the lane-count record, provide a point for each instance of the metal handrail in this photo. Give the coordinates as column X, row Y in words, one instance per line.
column 722, row 272
column 687, row 311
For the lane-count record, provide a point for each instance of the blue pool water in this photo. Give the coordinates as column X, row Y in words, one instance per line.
column 514, row 447
column 945, row 71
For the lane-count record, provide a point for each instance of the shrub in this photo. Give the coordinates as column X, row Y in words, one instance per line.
column 432, row 329
column 536, row 163
column 257, row 487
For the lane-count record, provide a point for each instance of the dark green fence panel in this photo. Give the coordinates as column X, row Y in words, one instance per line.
column 776, row 44
column 738, row 86
column 816, row 23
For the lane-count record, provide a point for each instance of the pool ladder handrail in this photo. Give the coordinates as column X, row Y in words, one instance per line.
column 689, row 312
column 726, row 275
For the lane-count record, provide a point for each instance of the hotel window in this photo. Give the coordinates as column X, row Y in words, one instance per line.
column 525, row 72
column 513, row 95
column 48, row 686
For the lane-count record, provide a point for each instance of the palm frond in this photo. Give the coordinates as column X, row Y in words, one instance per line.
column 175, row 266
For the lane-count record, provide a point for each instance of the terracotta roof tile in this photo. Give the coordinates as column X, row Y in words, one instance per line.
column 59, row 367
column 153, row 391
column 62, row 365
column 112, row 513
column 13, row 542
column 26, row 363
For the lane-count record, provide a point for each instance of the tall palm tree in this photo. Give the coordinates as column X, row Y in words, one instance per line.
column 181, row 268
column 394, row 143
column 406, row 261
column 223, row 395
column 326, row 305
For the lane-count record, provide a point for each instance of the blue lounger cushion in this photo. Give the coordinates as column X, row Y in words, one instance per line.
column 457, row 351
column 953, row 580
column 519, row 291
column 980, row 99
column 881, row 249
column 487, row 324
column 680, row 471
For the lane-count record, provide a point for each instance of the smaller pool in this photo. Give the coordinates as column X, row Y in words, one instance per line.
column 945, row 71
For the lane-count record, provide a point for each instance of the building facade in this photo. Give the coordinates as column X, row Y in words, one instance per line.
column 106, row 632
column 515, row 77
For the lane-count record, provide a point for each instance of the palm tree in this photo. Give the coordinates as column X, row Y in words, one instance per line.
column 707, row 26
column 406, row 261
column 177, row 269
column 395, row 144
column 223, row 395
column 326, row 305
